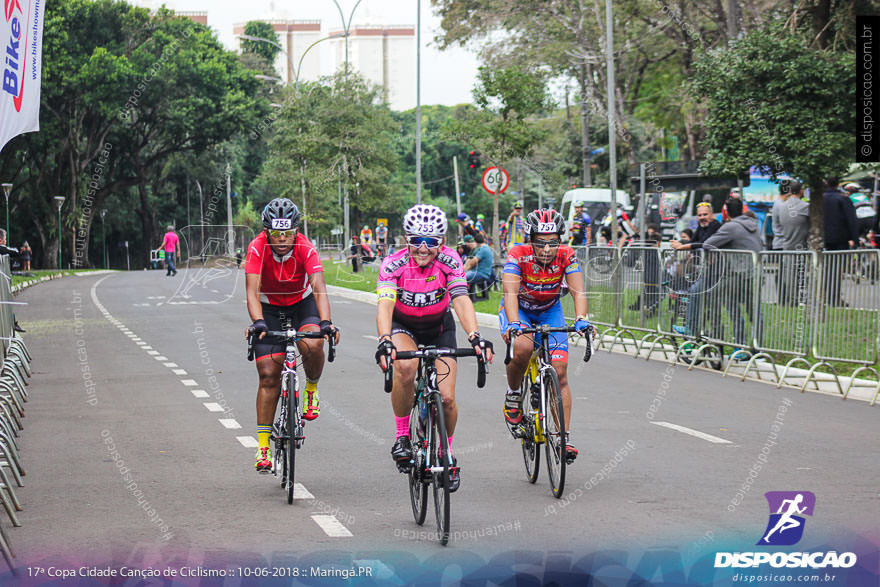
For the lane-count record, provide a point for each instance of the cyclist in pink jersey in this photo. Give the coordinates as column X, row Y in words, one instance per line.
column 416, row 286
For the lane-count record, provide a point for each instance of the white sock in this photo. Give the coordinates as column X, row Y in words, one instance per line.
column 513, row 393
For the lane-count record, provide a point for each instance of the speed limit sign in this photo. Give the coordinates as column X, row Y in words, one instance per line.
column 494, row 179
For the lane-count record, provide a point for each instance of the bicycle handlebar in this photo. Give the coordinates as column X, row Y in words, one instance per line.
column 438, row 353
column 588, row 334
column 293, row 335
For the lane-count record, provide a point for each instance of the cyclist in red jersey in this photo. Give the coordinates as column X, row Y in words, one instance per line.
column 284, row 280
column 532, row 283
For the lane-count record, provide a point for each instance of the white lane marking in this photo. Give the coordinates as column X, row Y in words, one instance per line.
column 230, row 423
column 370, row 337
column 215, row 291
column 189, row 382
column 330, row 525
column 169, row 364
column 692, row 432
column 153, row 353
column 132, row 335
column 160, row 358
column 335, row 301
column 213, row 407
column 300, row 492
column 136, row 339
column 179, row 371
column 142, row 344
column 147, row 348
column 805, row 468
column 200, row 393
column 251, row 442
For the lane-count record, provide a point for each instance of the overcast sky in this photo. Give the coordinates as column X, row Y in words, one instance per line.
column 447, row 76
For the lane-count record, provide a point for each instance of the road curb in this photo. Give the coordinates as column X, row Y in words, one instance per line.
column 26, row 284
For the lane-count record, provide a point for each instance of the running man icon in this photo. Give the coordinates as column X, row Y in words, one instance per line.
column 786, row 525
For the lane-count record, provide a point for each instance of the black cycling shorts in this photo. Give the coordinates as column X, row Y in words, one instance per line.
column 296, row 316
column 441, row 336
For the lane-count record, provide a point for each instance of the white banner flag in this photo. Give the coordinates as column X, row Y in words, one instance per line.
column 21, row 40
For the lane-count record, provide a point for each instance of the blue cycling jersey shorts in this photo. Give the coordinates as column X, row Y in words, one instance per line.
column 552, row 316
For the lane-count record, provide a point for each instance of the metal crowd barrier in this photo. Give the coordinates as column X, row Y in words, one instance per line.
column 13, row 393
column 848, row 307
column 811, row 310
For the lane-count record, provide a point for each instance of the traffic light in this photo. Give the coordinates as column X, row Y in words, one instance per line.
column 474, row 159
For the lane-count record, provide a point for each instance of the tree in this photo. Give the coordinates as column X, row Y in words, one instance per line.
column 331, row 138
column 780, row 105
column 502, row 130
column 262, row 30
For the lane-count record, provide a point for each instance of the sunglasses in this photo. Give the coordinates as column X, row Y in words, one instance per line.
column 540, row 244
column 282, row 233
column 432, row 242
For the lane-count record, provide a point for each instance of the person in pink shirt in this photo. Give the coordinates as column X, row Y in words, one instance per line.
column 171, row 244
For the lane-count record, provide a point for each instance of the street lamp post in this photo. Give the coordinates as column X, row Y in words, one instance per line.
column 103, row 238
column 346, row 27
column 60, row 201
column 296, row 73
column 6, row 188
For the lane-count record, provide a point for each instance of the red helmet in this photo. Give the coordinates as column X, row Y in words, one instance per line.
column 545, row 222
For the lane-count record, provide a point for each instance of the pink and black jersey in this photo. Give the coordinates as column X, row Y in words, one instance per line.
column 284, row 281
column 421, row 295
column 540, row 285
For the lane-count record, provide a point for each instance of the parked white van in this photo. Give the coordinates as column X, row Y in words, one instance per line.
column 596, row 201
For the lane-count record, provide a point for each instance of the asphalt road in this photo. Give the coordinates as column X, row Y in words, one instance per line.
column 164, row 352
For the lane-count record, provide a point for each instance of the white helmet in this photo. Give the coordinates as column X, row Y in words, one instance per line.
column 425, row 220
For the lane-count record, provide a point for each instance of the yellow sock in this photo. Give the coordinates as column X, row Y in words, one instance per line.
column 311, row 386
column 263, row 433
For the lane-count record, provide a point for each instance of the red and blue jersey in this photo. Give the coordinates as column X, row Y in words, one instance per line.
column 540, row 285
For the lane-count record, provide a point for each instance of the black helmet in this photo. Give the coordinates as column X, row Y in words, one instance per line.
column 281, row 214
column 544, row 222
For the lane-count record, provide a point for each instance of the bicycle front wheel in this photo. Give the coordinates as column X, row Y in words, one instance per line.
column 531, row 452
column 554, row 431
column 440, row 477
column 418, row 491
column 292, row 406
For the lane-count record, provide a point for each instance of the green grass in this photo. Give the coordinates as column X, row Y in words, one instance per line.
column 37, row 274
column 340, row 274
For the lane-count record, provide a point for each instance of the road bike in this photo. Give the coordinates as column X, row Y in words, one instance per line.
column 288, row 431
column 542, row 397
column 431, row 464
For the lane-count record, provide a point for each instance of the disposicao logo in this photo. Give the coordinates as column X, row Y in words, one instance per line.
column 785, row 528
column 786, row 524
column 13, row 60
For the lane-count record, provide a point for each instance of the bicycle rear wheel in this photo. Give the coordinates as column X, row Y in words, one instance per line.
column 554, row 432
column 418, row 491
column 440, row 479
column 292, row 406
column 531, row 452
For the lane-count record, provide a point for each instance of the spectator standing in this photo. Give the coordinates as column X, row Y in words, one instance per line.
column 516, row 234
column 794, row 219
column 26, row 254
column 776, row 213
column 707, row 225
column 171, row 246
column 841, row 234
column 739, row 233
